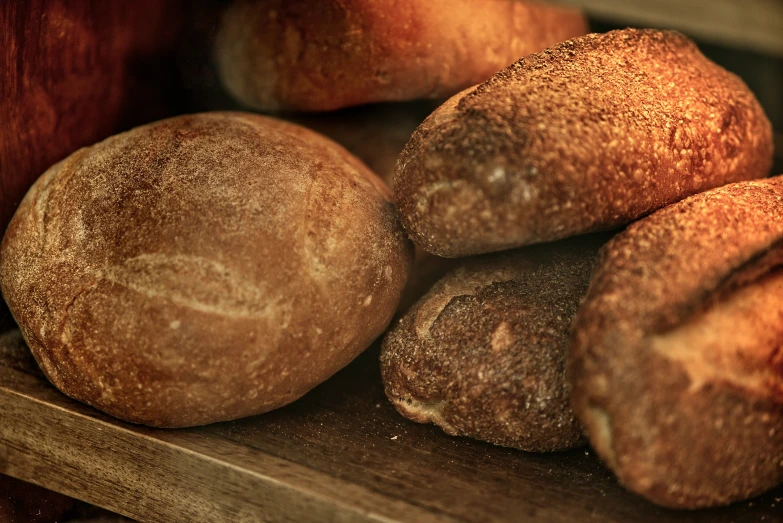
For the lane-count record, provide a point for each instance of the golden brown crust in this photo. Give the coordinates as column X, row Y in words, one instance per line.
column 483, row 353
column 675, row 357
column 317, row 56
column 203, row 268
column 587, row 135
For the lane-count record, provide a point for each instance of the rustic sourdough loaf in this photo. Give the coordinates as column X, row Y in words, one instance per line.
column 315, row 56
column 676, row 360
column 203, row 268
column 483, row 353
column 588, row 135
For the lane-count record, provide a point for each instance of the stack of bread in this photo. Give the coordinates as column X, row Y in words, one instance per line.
column 219, row 265
column 673, row 365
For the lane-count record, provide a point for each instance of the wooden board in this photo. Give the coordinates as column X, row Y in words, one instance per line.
column 341, row 453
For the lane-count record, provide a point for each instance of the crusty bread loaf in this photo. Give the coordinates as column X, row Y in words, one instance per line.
column 203, row 268
column 587, row 135
column 482, row 354
column 676, row 360
column 316, row 56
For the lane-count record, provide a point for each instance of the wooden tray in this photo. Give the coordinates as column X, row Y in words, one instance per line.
column 341, row 453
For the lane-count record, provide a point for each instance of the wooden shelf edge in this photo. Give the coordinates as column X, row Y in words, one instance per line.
column 122, row 469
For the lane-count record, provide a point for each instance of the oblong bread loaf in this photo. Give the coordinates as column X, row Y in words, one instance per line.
column 588, row 135
column 676, row 361
column 482, row 354
column 324, row 55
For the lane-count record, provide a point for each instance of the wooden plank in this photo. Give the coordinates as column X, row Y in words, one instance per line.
column 341, row 453
column 749, row 24
column 163, row 476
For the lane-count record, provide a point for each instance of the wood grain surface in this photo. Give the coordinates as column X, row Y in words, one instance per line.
column 341, row 453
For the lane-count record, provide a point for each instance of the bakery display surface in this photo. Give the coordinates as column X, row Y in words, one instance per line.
column 750, row 24
column 341, row 453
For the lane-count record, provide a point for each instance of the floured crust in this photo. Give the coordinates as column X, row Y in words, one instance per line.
column 675, row 358
column 318, row 56
column 203, row 268
column 588, row 135
column 483, row 353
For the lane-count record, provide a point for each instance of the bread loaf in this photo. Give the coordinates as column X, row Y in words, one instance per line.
column 482, row 354
column 676, row 360
column 202, row 268
column 588, row 135
column 317, row 56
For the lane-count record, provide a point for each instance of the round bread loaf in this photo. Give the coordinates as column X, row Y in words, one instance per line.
column 588, row 135
column 203, row 268
column 482, row 354
column 317, row 56
column 676, row 361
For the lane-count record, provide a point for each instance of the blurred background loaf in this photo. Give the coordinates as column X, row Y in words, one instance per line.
column 318, row 56
column 482, row 354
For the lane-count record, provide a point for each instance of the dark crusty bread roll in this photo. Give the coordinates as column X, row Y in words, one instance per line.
column 203, row 268
column 316, row 56
column 676, row 360
column 587, row 135
column 482, row 354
